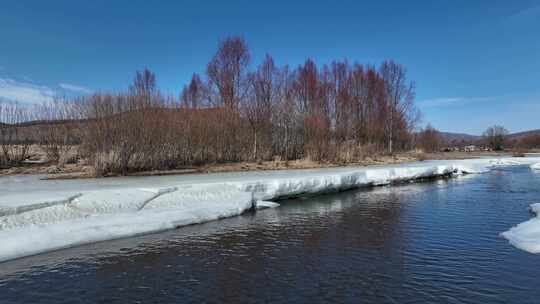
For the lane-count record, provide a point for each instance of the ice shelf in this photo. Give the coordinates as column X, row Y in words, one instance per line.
column 47, row 216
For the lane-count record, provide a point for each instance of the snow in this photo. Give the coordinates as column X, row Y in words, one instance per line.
column 93, row 220
column 39, row 216
column 526, row 236
column 332, row 181
column 9, row 210
column 535, row 208
column 265, row 205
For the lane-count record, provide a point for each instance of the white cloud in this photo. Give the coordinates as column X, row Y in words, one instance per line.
column 75, row 88
column 448, row 101
column 25, row 92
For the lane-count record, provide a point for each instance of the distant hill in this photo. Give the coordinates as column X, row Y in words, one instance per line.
column 462, row 138
column 520, row 135
column 457, row 138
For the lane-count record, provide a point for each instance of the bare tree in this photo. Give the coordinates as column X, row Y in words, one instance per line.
column 57, row 135
column 260, row 105
column 288, row 135
column 343, row 105
column 227, row 72
column 194, row 94
column 400, row 99
column 15, row 139
column 495, row 137
column 312, row 92
column 144, row 86
column 430, row 139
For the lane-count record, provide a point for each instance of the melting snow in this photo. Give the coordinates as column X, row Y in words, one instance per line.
column 40, row 216
column 265, row 205
column 526, row 236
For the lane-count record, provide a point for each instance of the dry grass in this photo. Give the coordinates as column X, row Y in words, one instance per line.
column 81, row 169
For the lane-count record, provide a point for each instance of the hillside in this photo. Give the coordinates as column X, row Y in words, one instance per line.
column 520, row 135
column 463, row 138
column 449, row 137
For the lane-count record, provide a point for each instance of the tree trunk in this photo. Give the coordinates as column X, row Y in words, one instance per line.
column 255, row 146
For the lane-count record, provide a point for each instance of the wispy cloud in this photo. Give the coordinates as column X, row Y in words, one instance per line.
column 27, row 79
column 25, row 92
column 75, row 88
column 450, row 101
column 529, row 13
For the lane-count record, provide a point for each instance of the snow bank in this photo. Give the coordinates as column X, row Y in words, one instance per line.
column 38, row 221
column 526, row 236
column 97, row 217
column 10, row 210
column 335, row 181
column 79, row 206
column 535, row 166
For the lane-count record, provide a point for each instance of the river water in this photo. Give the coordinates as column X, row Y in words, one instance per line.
column 432, row 242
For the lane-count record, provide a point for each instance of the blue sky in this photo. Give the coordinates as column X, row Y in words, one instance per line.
column 475, row 63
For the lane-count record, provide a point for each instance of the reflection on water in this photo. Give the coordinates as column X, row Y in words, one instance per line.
column 432, row 242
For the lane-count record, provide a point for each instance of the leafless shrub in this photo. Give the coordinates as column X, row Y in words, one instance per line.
column 339, row 112
column 57, row 132
column 429, row 139
column 531, row 141
column 15, row 138
column 495, row 137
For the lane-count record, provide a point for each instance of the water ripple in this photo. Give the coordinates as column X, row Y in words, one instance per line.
column 435, row 242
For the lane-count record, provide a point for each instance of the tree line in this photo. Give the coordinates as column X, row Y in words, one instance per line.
column 337, row 112
column 494, row 138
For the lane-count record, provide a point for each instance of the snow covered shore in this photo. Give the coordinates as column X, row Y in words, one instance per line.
column 51, row 216
column 526, row 236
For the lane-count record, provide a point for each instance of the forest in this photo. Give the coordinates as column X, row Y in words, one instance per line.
column 339, row 112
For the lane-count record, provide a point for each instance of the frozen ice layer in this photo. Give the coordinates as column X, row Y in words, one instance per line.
column 535, row 208
column 70, row 213
column 526, row 236
column 17, row 209
column 62, row 226
column 79, row 206
column 338, row 181
column 259, row 205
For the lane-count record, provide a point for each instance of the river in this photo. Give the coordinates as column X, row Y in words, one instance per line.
column 428, row 242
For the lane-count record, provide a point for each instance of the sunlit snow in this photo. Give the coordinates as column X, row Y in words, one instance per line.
column 39, row 216
column 526, row 236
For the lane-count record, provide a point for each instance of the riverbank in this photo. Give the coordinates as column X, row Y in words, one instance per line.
column 80, row 169
column 39, row 215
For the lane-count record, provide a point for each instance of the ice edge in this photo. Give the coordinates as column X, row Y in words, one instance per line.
column 95, row 216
